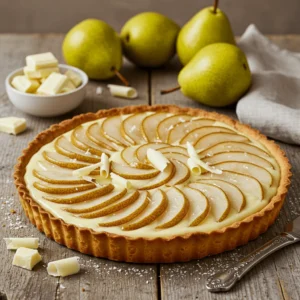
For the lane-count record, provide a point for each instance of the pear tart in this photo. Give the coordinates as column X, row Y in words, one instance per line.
column 210, row 185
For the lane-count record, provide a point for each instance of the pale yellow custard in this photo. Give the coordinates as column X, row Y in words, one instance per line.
column 158, row 203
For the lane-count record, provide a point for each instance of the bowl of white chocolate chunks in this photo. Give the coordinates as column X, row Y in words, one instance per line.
column 45, row 88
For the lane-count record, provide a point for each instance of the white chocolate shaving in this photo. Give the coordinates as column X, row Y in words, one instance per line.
column 104, row 169
column 194, row 156
column 122, row 91
column 26, row 258
column 86, row 170
column 15, row 243
column 120, row 181
column 157, row 159
column 64, row 267
column 195, row 168
column 99, row 90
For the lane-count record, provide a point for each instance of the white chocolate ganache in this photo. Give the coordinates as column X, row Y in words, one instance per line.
column 222, row 177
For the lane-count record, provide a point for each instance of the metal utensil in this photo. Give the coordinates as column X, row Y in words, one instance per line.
column 224, row 280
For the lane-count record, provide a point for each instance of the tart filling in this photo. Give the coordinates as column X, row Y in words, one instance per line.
column 153, row 203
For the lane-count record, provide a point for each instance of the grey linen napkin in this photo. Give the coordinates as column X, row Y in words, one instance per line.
column 272, row 105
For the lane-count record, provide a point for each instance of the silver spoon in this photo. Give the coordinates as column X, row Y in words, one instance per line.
column 224, row 280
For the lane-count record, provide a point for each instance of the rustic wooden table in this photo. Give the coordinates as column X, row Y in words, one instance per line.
column 277, row 277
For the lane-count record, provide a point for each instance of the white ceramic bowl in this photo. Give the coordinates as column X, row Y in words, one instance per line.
column 46, row 106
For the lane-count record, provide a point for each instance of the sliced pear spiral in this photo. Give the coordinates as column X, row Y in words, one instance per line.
column 155, row 197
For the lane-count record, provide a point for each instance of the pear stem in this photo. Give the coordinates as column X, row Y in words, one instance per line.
column 120, row 76
column 163, row 92
column 216, row 3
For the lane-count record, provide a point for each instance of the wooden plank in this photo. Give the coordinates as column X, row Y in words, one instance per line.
column 275, row 278
column 100, row 278
column 276, row 18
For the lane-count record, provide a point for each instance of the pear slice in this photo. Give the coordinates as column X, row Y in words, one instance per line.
column 94, row 134
column 63, row 161
column 149, row 125
column 132, row 173
column 48, row 167
column 178, row 156
column 199, row 206
column 97, row 192
column 248, row 185
column 128, row 213
column 168, row 124
column 158, row 204
column 81, row 141
column 178, row 206
column 240, row 157
column 64, row 147
column 96, row 204
column 218, row 200
column 161, row 179
column 182, row 129
column 131, row 127
column 214, row 138
column 182, row 173
column 116, row 206
column 176, row 149
column 57, row 177
column 234, row 146
column 261, row 174
column 129, row 157
column 194, row 135
column 141, row 151
column 111, row 129
column 234, row 194
column 58, row 189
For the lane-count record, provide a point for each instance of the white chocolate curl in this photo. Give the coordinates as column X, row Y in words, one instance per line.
column 64, row 267
column 157, row 159
column 120, row 181
column 122, row 91
column 104, row 169
column 194, row 156
column 195, row 168
column 15, row 243
column 26, row 258
column 86, row 170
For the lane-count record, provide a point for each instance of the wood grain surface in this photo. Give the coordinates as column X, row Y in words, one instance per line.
column 275, row 278
column 276, row 16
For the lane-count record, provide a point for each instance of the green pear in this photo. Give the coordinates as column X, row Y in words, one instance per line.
column 149, row 39
column 93, row 46
column 218, row 75
column 208, row 26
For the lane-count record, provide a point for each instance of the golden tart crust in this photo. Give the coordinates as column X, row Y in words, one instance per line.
column 173, row 248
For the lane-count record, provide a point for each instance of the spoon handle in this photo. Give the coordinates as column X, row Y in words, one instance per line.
column 224, row 280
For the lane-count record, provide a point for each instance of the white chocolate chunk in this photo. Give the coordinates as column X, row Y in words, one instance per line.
column 64, row 267
column 157, row 159
column 86, row 170
column 12, row 125
column 195, row 168
column 120, row 181
column 104, row 169
column 39, row 74
column 68, row 87
column 24, row 84
column 53, row 84
column 122, row 91
column 26, row 258
column 15, row 243
column 42, row 60
column 74, row 77
column 194, row 156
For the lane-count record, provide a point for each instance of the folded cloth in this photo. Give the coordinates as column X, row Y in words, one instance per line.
column 272, row 105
